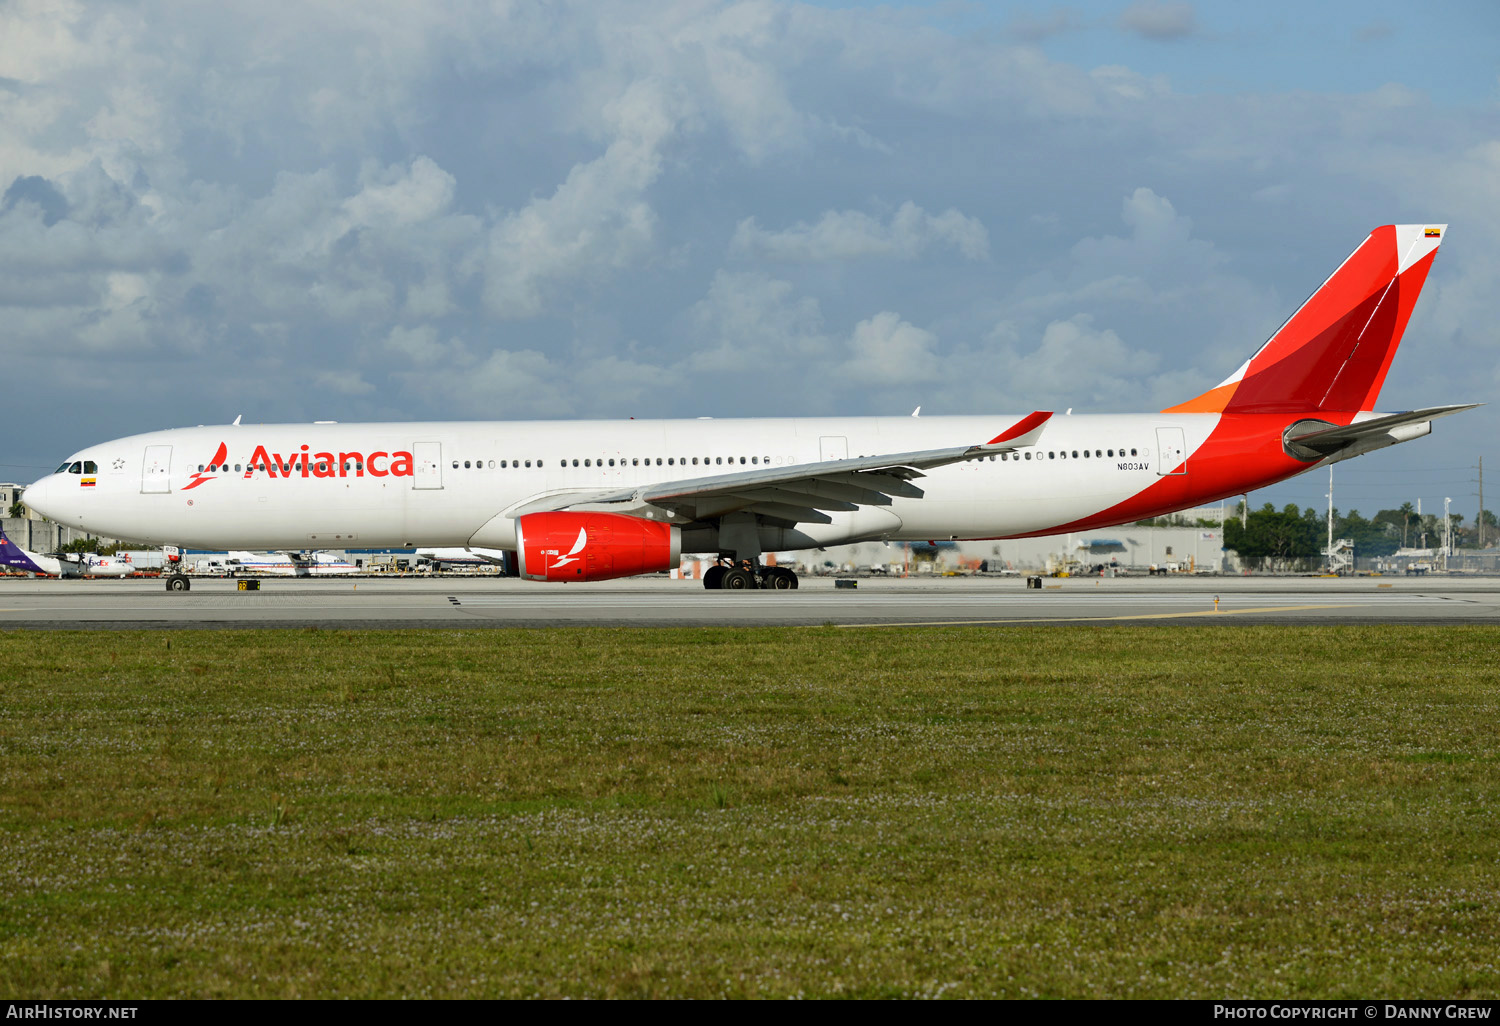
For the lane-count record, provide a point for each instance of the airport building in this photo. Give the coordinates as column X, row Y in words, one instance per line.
column 43, row 535
column 1130, row 548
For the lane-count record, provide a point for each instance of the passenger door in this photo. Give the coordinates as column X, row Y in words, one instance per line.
column 1171, row 451
column 156, row 469
column 833, row 447
column 428, row 472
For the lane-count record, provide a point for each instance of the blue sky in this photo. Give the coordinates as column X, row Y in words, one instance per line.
column 396, row 211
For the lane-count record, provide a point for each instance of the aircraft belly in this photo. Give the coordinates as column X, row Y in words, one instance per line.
column 1018, row 500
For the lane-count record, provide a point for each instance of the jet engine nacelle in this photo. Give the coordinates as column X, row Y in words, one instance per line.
column 594, row 546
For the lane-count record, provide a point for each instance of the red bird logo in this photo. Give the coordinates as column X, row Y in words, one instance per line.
column 218, row 461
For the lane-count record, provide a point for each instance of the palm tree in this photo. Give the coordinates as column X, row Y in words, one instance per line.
column 1407, row 511
column 17, row 510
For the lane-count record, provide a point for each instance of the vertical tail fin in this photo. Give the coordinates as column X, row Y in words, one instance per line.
column 1335, row 351
column 15, row 557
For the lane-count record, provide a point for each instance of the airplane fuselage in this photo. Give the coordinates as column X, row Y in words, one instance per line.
column 304, row 486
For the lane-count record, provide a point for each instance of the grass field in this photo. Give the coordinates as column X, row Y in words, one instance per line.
column 1184, row 811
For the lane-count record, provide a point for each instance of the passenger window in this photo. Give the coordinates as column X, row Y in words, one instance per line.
column 1111, row 453
column 1028, row 455
column 1052, row 455
column 236, row 468
column 658, row 461
column 455, row 464
column 635, row 463
column 1098, row 454
column 611, row 463
column 504, row 465
column 719, row 459
column 742, row 460
column 695, row 461
column 1132, row 452
column 200, row 469
column 754, row 459
column 528, row 463
column 492, row 464
column 538, row 463
column 1075, row 454
column 671, row 461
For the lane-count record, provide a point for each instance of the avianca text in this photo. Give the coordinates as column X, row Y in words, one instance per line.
column 323, row 464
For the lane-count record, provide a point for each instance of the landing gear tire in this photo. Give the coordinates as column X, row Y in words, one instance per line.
column 779, row 579
column 737, row 580
column 178, row 582
column 713, row 577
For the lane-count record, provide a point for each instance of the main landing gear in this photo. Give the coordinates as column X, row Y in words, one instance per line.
column 746, row 574
column 178, row 582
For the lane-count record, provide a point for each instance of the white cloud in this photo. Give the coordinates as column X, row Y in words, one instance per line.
column 1160, row 19
column 751, row 323
column 885, row 350
column 596, row 220
column 523, row 210
column 850, row 235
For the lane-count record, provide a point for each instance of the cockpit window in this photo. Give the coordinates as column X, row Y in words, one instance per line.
column 76, row 468
column 62, row 469
column 90, row 467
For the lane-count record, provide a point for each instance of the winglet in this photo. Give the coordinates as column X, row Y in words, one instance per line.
column 1023, row 432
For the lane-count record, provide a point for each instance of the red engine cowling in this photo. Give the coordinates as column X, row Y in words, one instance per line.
column 594, row 546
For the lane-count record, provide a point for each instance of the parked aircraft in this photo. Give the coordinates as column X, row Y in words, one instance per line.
column 446, row 556
column 318, row 564
column 63, row 564
column 593, row 500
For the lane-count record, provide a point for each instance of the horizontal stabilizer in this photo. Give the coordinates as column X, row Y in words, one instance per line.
column 1319, row 438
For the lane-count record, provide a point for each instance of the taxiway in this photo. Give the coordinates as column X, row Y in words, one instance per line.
column 479, row 602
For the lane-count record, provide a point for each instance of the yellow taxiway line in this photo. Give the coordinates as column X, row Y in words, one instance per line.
column 1099, row 619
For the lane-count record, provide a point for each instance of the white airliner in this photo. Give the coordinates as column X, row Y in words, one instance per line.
column 593, row 500
column 318, row 564
column 457, row 555
column 82, row 564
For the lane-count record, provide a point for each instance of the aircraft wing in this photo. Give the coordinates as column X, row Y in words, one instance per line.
column 1326, row 439
column 808, row 492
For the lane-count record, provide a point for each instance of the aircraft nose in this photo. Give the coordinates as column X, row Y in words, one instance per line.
column 42, row 496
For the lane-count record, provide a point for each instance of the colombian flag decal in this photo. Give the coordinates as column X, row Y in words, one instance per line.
column 1434, row 233
column 87, row 482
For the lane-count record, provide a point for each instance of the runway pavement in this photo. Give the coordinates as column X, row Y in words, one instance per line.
column 482, row 601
